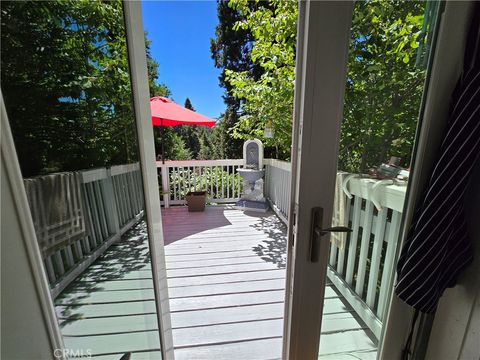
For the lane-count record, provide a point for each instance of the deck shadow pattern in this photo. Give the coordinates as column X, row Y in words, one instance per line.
column 226, row 277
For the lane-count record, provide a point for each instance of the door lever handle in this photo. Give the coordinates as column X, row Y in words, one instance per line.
column 317, row 232
column 320, row 232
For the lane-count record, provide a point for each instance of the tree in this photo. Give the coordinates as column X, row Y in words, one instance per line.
column 188, row 105
column 190, row 134
column 66, row 84
column 231, row 50
column 269, row 98
column 384, row 87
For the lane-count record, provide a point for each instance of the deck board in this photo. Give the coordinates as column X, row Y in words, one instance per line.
column 226, row 276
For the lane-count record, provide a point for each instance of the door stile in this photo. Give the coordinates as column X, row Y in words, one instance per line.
column 141, row 96
column 324, row 33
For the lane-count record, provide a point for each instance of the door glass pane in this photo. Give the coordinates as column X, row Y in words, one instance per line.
column 387, row 66
column 66, row 84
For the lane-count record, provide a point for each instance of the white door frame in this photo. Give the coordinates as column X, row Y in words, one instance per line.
column 141, row 98
column 324, row 34
column 13, row 175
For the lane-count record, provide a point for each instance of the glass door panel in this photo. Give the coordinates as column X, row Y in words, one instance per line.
column 389, row 49
column 68, row 94
column 352, row 161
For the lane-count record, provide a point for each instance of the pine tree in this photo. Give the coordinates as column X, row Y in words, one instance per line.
column 231, row 49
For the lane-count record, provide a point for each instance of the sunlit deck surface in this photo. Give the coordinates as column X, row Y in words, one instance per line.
column 226, row 275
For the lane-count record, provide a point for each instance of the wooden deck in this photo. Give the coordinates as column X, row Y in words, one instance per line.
column 226, row 274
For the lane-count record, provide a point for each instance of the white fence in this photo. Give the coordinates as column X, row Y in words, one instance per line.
column 362, row 268
column 219, row 178
column 277, row 186
column 78, row 215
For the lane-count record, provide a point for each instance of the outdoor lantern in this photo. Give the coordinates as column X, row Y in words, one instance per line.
column 268, row 131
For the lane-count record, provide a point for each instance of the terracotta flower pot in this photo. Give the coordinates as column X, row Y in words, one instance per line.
column 196, row 200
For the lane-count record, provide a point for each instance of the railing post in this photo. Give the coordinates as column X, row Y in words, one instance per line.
column 110, row 205
column 165, row 186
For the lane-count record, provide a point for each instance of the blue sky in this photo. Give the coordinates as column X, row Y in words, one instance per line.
column 180, row 33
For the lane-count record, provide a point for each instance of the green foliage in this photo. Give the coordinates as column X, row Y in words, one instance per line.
column 65, row 80
column 199, row 142
column 189, row 133
column 231, row 51
column 383, row 92
column 384, row 88
column 268, row 99
column 212, row 180
column 179, row 149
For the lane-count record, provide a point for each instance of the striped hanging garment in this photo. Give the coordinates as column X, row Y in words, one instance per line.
column 437, row 248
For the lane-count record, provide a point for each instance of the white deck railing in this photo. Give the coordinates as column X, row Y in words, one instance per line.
column 219, row 178
column 78, row 215
column 361, row 269
column 100, row 205
column 277, row 186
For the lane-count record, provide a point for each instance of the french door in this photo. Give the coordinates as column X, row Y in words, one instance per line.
column 321, row 76
column 141, row 98
column 323, row 35
column 359, row 267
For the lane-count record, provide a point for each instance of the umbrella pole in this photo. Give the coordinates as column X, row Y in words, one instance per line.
column 163, row 141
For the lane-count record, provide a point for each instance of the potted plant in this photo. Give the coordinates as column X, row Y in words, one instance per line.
column 196, row 200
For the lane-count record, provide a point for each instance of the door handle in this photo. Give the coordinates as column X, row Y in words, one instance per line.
column 321, row 232
column 317, row 232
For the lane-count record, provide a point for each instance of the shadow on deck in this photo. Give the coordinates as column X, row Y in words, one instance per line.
column 226, row 275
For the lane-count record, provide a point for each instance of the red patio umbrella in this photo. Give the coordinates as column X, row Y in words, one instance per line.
column 167, row 113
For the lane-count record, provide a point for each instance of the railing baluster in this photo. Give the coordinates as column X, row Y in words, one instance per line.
column 341, row 251
column 194, row 179
column 240, row 185
column 365, row 244
column 228, row 182
column 233, row 182
column 223, row 188
column 98, row 195
column 352, row 249
column 140, row 189
column 175, row 182
column 133, row 192
column 118, row 201
column 333, row 253
column 211, row 181
column 216, row 182
column 121, row 198
column 50, row 269
column 69, row 256
column 180, row 182
column 94, row 212
column 379, row 233
column 284, row 191
column 90, row 240
column 128, row 207
column 387, row 273
column 78, row 250
column 58, row 263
